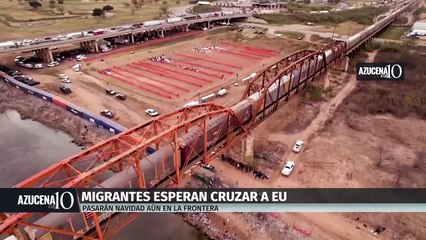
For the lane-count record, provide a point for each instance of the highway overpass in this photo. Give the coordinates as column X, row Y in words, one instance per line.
column 45, row 49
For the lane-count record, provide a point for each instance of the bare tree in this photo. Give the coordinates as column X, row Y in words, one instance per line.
column 61, row 9
column 420, row 159
column 401, row 174
column 382, row 156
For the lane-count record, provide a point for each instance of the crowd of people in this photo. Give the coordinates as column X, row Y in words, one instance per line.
column 161, row 59
column 164, row 59
column 208, row 49
column 244, row 167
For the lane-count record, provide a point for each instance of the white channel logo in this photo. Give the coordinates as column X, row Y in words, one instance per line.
column 389, row 71
column 60, row 201
column 54, row 201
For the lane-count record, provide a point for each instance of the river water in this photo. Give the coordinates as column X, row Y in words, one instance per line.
column 26, row 147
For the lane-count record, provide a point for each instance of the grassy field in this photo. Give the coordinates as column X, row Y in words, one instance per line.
column 291, row 35
column 344, row 29
column 394, row 33
column 401, row 99
column 296, row 7
column 21, row 21
column 361, row 16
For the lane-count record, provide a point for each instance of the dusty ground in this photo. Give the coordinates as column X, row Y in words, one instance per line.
column 342, row 150
column 83, row 133
column 89, row 86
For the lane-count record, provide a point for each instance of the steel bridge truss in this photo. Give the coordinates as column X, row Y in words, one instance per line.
column 90, row 167
column 286, row 84
column 124, row 152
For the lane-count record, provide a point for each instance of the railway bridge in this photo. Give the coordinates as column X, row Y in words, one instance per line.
column 179, row 138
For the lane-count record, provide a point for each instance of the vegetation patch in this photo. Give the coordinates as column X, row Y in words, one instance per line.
column 296, row 7
column 291, row 35
column 361, row 16
column 394, row 33
column 420, row 11
column 318, row 38
column 206, row 8
column 402, row 98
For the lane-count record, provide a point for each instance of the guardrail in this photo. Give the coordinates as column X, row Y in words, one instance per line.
column 76, row 110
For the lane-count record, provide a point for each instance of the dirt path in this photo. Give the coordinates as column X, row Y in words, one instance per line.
column 322, row 225
column 326, row 112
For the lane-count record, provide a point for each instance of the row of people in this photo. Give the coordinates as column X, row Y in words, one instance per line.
column 208, row 49
column 244, row 167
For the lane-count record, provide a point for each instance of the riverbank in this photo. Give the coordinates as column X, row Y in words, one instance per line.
column 29, row 107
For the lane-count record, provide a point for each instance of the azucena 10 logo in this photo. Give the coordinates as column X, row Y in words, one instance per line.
column 380, row 71
column 55, row 201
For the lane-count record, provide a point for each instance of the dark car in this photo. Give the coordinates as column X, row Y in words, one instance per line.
column 121, row 96
column 107, row 113
column 65, row 89
column 110, row 92
column 206, row 166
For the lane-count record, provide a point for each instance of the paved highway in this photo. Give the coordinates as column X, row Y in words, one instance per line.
column 120, row 33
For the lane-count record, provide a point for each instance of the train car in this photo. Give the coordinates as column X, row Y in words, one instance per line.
column 174, row 20
column 161, row 161
column 227, row 13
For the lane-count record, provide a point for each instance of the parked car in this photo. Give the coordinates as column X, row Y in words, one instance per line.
column 39, row 66
column 19, row 59
column 107, row 113
column 298, row 146
column 110, row 92
column 29, row 65
column 63, row 76
column 121, row 96
column 65, row 89
column 206, row 166
column 53, row 64
column 288, row 168
column 81, row 57
column 67, row 80
column 151, row 112
column 299, row 38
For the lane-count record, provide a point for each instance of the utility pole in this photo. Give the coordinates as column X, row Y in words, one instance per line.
column 349, row 33
column 334, row 29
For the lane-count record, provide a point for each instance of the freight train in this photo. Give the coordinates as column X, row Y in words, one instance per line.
column 161, row 161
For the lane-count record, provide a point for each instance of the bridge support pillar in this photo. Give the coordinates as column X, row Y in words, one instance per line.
column 342, row 65
column 228, row 21
column 249, row 149
column 186, row 28
column 45, row 54
column 208, row 24
column 161, row 33
column 132, row 38
column 95, row 43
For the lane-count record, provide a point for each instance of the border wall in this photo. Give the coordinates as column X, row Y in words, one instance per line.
column 96, row 119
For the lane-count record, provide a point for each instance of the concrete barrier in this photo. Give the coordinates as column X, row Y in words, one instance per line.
column 81, row 112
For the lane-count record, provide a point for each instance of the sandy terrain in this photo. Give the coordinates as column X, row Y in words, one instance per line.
column 342, row 150
column 89, row 87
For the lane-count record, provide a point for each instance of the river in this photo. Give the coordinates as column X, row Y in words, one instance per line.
column 26, row 147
